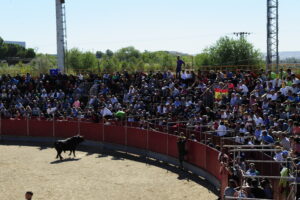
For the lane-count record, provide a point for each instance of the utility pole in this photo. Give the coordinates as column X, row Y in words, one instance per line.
column 272, row 35
column 241, row 35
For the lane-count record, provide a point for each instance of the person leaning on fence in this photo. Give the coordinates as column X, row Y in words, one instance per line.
column 283, row 182
column 181, row 149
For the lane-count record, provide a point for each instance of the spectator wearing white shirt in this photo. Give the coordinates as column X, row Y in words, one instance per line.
column 243, row 88
column 221, row 131
column 284, row 141
column 278, row 154
column 240, row 139
column 106, row 112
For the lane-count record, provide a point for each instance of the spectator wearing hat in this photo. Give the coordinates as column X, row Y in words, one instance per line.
column 252, row 170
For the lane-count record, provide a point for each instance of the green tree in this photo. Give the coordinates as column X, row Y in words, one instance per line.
column 109, row 53
column 74, row 58
column 3, row 51
column 228, row 51
column 88, row 60
column 43, row 63
column 203, row 59
column 29, row 53
column 125, row 54
column 167, row 62
column 99, row 54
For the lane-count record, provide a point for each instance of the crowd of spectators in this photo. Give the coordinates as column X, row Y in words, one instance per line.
column 257, row 108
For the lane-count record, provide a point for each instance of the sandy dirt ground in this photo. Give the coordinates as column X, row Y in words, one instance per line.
column 91, row 176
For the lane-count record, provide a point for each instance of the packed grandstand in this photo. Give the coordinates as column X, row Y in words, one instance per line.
column 251, row 118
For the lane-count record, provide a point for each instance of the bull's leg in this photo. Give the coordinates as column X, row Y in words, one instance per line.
column 70, row 153
column 74, row 153
column 60, row 157
column 59, row 154
column 58, row 150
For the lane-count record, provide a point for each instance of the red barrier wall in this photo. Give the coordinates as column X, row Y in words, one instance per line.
column 198, row 154
column 38, row 128
column 157, row 142
column 137, row 138
column 114, row 134
column 14, row 127
column 91, row 131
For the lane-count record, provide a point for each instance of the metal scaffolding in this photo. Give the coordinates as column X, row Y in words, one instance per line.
column 61, row 34
column 272, row 35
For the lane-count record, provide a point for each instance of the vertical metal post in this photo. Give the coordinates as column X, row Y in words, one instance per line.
column 147, row 145
column 27, row 125
column 148, row 136
column 53, row 127
column 126, row 131
column 167, row 144
column 103, row 137
column 167, row 127
column 78, row 125
column 0, row 126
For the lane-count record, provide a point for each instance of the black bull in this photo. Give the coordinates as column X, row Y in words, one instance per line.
column 69, row 144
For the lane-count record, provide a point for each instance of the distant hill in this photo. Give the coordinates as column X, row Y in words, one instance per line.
column 283, row 55
column 177, row 53
column 289, row 54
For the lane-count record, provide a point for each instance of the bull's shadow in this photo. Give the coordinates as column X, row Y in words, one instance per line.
column 64, row 160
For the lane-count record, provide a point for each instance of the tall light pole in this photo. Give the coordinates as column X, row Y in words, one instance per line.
column 272, row 35
column 241, row 35
column 61, row 35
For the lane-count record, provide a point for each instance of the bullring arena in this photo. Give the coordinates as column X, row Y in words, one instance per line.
column 95, row 173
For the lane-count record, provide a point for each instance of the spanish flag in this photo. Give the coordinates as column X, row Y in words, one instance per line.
column 220, row 92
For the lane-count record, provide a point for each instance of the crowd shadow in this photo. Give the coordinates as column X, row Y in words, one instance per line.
column 41, row 147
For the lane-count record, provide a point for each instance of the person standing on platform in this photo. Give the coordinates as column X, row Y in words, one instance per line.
column 180, row 63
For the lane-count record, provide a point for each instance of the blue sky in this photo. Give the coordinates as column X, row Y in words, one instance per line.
column 180, row 25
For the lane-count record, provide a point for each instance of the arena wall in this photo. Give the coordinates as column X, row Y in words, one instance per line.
column 201, row 159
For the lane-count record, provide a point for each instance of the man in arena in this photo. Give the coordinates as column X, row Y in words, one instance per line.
column 181, row 149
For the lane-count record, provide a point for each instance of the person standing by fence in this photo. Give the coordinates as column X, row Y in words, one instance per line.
column 181, row 149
